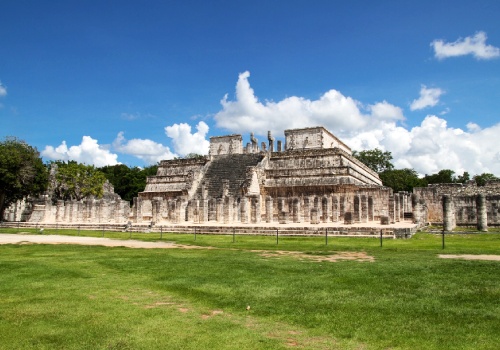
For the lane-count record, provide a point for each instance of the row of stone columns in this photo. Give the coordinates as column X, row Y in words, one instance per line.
column 350, row 208
column 86, row 211
column 449, row 218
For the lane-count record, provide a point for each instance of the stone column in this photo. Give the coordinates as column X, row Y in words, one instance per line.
column 397, row 207
column 181, row 211
column 371, row 211
column 269, row 209
column 228, row 210
column 203, row 211
column 449, row 222
column 60, row 211
column 219, row 208
column 364, row 208
column 155, row 210
column 342, row 208
column 67, row 211
column 357, row 209
column 279, row 146
column 392, row 209
column 244, row 210
column 335, row 208
column 307, row 209
column 296, row 210
column 482, row 213
column 258, row 211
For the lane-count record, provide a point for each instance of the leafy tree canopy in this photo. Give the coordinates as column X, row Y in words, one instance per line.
column 483, row 178
column 401, row 179
column 76, row 181
column 375, row 159
column 128, row 182
column 22, row 172
column 442, row 177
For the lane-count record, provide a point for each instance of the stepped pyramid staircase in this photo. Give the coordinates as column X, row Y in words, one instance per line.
column 230, row 167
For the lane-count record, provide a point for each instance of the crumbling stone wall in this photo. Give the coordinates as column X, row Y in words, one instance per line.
column 463, row 203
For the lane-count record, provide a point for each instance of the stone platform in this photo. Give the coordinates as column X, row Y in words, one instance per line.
column 396, row 230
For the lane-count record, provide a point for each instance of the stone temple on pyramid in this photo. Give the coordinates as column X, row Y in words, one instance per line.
column 313, row 178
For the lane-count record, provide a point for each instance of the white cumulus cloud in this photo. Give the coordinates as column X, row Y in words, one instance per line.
column 429, row 97
column 88, row 152
column 471, row 45
column 428, row 147
column 149, row 151
column 3, row 90
column 332, row 110
column 185, row 142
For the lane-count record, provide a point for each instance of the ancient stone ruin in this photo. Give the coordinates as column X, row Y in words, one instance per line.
column 462, row 204
column 311, row 179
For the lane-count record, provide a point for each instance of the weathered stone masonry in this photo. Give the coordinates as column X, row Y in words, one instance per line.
column 314, row 179
column 462, row 204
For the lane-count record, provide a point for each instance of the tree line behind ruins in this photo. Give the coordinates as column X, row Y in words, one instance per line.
column 23, row 174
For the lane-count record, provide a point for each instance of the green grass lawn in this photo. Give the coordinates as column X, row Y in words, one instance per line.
column 79, row 297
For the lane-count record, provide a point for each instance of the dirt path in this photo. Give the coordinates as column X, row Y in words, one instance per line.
column 107, row 242
column 471, row 257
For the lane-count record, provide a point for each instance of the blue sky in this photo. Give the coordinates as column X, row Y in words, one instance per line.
column 134, row 82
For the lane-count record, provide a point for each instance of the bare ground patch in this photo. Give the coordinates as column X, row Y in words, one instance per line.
column 470, row 257
column 337, row 256
column 82, row 240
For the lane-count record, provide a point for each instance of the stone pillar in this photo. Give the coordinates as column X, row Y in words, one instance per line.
column 296, row 210
column 219, row 210
column 371, row 211
column 279, row 146
column 228, row 210
column 418, row 210
column 357, row 209
column 482, row 213
column 314, row 216
column 258, row 212
column 342, row 208
column 269, row 209
column 397, row 207
column 364, row 208
column 244, row 210
column 155, row 210
column 307, row 209
column 392, row 209
column 325, row 209
column 60, row 211
column 67, row 211
column 335, row 208
column 182, row 204
column 449, row 222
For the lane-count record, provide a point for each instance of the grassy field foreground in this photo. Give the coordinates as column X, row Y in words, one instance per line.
column 79, row 297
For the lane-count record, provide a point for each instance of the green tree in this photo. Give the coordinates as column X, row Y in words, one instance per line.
column 22, row 172
column 483, row 178
column 128, row 182
column 463, row 178
column 76, row 181
column 375, row 159
column 401, row 179
column 442, row 177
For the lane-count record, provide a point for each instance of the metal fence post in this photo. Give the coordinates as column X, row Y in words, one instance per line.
column 277, row 236
column 381, row 238
column 326, row 236
column 233, row 233
column 443, row 238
